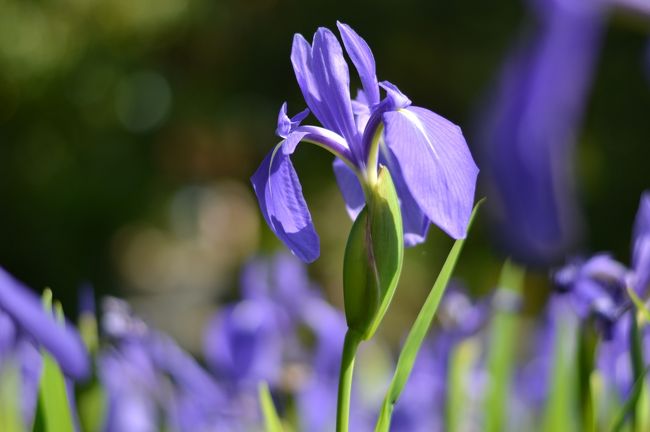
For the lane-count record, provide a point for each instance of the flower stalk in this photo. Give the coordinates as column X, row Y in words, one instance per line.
column 352, row 341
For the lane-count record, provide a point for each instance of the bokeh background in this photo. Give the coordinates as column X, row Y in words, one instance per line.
column 129, row 129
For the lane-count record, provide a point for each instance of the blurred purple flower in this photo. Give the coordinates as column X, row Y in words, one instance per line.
column 596, row 289
column 641, row 248
column 152, row 383
column 421, row 406
column 29, row 316
column 18, row 353
column 243, row 344
column 530, row 127
column 614, row 355
column 316, row 398
column 534, row 377
column 426, row 155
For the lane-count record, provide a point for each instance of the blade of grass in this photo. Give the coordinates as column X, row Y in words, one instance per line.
column 10, row 419
column 502, row 340
column 463, row 358
column 53, row 408
column 630, row 403
column 272, row 421
column 561, row 401
column 418, row 332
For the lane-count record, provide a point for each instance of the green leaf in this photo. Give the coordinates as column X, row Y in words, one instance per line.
column 272, row 421
column 10, row 417
column 462, row 359
column 502, row 341
column 417, row 334
column 641, row 307
column 561, row 400
column 373, row 258
column 53, row 409
column 630, row 404
column 91, row 401
column 587, row 343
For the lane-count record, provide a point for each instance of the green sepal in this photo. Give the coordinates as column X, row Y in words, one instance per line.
column 373, row 258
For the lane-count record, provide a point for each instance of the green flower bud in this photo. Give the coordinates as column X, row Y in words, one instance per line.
column 373, row 258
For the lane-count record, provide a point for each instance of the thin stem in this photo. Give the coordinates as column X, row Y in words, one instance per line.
column 350, row 346
column 636, row 358
column 586, row 353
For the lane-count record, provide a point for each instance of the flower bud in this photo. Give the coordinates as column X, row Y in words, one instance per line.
column 373, row 258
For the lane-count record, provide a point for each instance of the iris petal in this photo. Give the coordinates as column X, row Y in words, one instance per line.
column 282, row 203
column 415, row 222
column 331, row 73
column 363, row 61
column 27, row 311
column 437, row 166
column 302, row 61
column 350, row 188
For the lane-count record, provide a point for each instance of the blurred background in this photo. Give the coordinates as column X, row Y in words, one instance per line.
column 129, row 130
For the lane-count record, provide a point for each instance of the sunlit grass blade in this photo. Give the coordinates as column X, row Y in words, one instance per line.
column 463, row 358
column 587, row 343
column 641, row 307
column 10, row 419
column 628, row 407
column 91, row 399
column 272, row 421
column 417, row 334
column 561, row 399
column 638, row 366
column 53, row 408
column 503, row 336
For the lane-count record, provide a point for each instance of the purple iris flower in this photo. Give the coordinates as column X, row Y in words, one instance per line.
column 614, row 355
column 596, row 289
column 598, row 286
column 29, row 316
column 427, row 156
column 244, row 345
column 151, row 382
column 316, row 398
column 530, row 128
column 18, row 353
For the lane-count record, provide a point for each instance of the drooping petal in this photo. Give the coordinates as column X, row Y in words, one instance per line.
column 331, row 73
column 350, row 188
column 284, row 208
column 363, row 60
column 28, row 313
column 436, row 164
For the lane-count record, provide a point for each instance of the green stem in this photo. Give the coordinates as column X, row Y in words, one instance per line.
column 636, row 358
column 350, row 346
column 586, row 353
